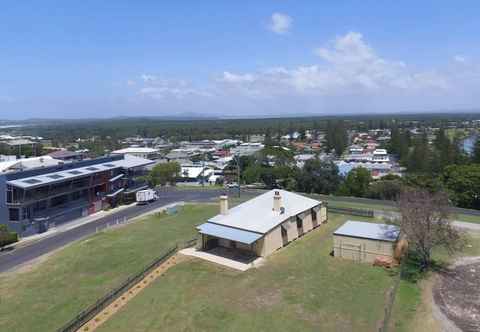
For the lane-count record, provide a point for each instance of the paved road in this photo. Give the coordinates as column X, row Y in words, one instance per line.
column 22, row 255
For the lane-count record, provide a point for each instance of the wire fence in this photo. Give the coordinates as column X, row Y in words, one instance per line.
column 352, row 211
column 391, row 298
column 89, row 313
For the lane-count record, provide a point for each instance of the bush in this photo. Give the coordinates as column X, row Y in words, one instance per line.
column 6, row 237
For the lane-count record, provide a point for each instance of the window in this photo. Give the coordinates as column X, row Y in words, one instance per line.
column 25, row 213
column 299, row 222
column 14, row 214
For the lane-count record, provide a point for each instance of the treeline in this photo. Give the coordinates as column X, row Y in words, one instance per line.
column 62, row 132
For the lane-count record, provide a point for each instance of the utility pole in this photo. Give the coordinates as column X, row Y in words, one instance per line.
column 238, row 174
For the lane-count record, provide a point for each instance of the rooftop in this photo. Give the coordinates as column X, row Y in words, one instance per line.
column 62, row 175
column 367, row 230
column 257, row 214
column 135, row 150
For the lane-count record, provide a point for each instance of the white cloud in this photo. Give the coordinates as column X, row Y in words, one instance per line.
column 280, row 23
column 349, row 65
column 157, row 88
column 148, row 78
column 131, row 82
column 234, row 78
column 349, row 76
column 459, row 58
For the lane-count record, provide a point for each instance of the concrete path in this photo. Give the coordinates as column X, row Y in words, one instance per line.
column 467, row 225
column 236, row 265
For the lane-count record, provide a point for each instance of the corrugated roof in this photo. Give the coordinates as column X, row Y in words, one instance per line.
column 257, row 214
column 367, row 230
column 229, row 233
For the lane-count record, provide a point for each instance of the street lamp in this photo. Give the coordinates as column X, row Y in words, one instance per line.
column 238, row 171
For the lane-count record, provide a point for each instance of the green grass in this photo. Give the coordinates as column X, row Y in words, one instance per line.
column 300, row 288
column 467, row 218
column 52, row 293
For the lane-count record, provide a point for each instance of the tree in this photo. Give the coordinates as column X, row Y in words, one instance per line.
column 476, row 151
column 336, row 137
column 385, row 189
column 356, row 183
column 318, row 176
column 164, row 173
column 463, row 184
column 425, row 221
column 419, row 158
column 252, row 174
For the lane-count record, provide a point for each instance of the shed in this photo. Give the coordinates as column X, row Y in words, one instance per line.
column 364, row 242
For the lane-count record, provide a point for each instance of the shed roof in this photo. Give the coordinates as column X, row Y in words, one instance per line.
column 257, row 214
column 229, row 233
column 367, row 230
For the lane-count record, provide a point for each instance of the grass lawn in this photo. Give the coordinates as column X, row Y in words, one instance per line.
column 300, row 288
column 44, row 297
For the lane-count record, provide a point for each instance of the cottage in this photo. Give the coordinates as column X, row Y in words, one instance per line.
column 364, row 241
column 263, row 224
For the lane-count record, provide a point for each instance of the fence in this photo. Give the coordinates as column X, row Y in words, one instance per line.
column 391, row 298
column 88, row 314
column 352, row 211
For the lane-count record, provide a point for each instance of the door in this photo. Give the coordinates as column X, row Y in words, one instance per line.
column 210, row 243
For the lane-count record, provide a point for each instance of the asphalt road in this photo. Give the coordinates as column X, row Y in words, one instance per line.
column 16, row 257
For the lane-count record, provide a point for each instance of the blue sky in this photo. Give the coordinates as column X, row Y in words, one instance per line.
column 237, row 58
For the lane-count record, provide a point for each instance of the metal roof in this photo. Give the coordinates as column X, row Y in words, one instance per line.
column 59, row 176
column 135, row 150
column 367, row 230
column 229, row 233
column 257, row 214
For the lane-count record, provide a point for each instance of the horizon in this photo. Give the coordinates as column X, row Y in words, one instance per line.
column 271, row 59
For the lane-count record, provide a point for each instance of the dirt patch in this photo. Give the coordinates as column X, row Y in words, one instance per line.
column 457, row 293
column 268, row 297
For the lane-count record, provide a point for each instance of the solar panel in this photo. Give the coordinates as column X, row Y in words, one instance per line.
column 92, row 169
column 55, row 176
column 32, row 181
column 75, row 172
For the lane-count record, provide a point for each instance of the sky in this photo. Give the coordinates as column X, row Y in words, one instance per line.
column 65, row 59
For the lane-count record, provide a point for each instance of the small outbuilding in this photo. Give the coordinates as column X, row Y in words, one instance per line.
column 365, row 242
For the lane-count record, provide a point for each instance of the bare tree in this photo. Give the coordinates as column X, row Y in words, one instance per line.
column 425, row 221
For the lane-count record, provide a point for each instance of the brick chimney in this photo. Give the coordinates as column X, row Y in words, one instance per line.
column 224, row 204
column 277, row 202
